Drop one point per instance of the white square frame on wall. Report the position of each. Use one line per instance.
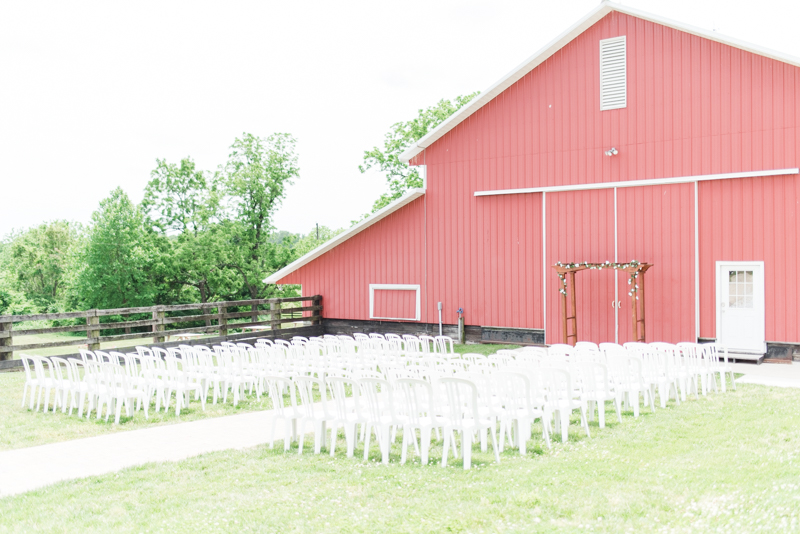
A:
(400, 287)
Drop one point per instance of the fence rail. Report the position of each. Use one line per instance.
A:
(273, 313)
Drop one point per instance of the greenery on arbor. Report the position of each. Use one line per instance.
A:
(400, 176)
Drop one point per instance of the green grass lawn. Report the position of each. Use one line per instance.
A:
(20, 427)
(724, 463)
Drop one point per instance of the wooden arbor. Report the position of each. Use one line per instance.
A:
(635, 272)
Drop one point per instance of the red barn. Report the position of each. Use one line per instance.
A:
(702, 184)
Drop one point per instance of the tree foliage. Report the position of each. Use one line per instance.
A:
(182, 207)
(35, 261)
(115, 262)
(399, 176)
(179, 198)
(253, 183)
(313, 239)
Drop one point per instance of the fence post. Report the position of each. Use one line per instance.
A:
(6, 341)
(158, 315)
(316, 315)
(223, 321)
(274, 315)
(92, 334)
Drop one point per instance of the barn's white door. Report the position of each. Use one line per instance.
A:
(740, 305)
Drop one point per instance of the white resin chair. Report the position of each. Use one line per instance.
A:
(45, 379)
(31, 378)
(308, 412)
(276, 385)
(519, 412)
(628, 381)
(698, 366)
(118, 391)
(444, 345)
(596, 390)
(179, 380)
(419, 412)
(62, 374)
(461, 414)
(81, 385)
(561, 400)
(713, 352)
(412, 344)
(344, 410)
(377, 409)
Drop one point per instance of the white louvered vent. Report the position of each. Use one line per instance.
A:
(613, 74)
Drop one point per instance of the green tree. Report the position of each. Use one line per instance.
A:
(114, 266)
(254, 182)
(179, 198)
(13, 302)
(399, 176)
(182, 207)
(36, 260)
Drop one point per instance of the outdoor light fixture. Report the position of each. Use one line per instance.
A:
(612, 152)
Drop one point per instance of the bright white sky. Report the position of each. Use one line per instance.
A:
(91, 93)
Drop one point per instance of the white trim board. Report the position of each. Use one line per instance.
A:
(409, 197)
(639, 183)
(562, 40)
(394, 287)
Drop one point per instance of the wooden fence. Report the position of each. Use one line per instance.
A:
(263, 315)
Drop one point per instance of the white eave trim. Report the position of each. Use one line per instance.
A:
(409, 197)
(638, 183)
(559, 42)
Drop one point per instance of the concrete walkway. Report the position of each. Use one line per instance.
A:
(786, 375)
(26, 469)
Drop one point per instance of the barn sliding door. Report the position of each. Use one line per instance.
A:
(580, 227)
(655, 224)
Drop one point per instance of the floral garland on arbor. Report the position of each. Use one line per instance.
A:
(598, 266)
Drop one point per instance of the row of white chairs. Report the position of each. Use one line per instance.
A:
(535, 383)
(558, 380)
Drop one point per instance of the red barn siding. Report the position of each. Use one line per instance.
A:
(389, 252)
(395, 303)
(695, 107)
(486, 259)
(580, 227)
(656, 225)
(753, 219)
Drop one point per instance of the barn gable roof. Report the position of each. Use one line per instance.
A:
(562, 40)
(407, 198)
